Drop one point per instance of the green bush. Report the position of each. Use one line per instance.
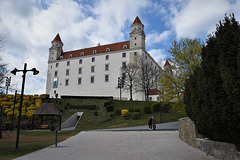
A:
(7, 125)
(109, 108)
(117, 111)
(137, 110)
(147, 109)
(166, 107)
(89, 107)
(156, 107)
(135, 115)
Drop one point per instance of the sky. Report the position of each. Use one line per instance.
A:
(29, 26)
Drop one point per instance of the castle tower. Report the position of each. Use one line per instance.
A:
(167, 67)
(137, 35)
(56, 50)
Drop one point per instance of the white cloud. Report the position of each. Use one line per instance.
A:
(195, 18)
(154, 38)
(158, 55)
(30, 26)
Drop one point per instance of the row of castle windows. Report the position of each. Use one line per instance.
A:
(93, 59)
(94, 52)
(92, 80)
(92, 69)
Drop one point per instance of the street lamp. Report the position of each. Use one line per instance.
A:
(35, 72)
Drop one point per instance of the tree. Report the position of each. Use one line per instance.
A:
(186, 56)
(3, 69)
(129, 71)
(212, 91)
(147, 75)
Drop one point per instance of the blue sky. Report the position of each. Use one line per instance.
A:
(29, 26)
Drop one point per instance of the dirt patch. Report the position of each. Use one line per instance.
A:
(11, 137)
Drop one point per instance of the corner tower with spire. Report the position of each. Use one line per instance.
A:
(137, 35)
(56, 50)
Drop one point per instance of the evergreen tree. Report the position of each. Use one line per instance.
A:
(212, 91)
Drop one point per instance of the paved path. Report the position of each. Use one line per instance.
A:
(119, 145)
(171, 126)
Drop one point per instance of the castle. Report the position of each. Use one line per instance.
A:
(94, 71)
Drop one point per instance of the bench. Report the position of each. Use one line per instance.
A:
(42, 126)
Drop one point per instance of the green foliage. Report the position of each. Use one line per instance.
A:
(89, 107)
(137, 110)
(117, 111)
(156, 107)
(135, 115)
(147, 109)
(109, 108)
(212, 91)
(166, 107)
(186, 55)
(7, 125)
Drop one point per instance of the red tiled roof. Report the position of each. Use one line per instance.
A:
(182, 95)
(167, 63)
(137, 20)
(57, 38)
(153, 92)
(99, 49)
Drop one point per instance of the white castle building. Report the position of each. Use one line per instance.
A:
(94, 71)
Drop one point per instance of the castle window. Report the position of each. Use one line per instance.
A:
(124, 65)
(94, 51)
(135, 44)
(123, 55)
(92, 69)
(56, 74)
(70, 55)
(123, 75)
(125, 47)
(56, 65)
(135, 38)
(135, 53)
(67, 72)
(80, 80)
(106, 67)
(82, 53)
(80, 61)
(93, 59)
(107, 57)
(66, 82)
(92, 79)
(108, 49)
(68, 63)
(80, 71)
(107, 78)
(55, 82)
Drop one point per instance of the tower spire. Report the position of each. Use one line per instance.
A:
(57, 38)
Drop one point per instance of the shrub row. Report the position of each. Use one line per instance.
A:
(89, 107)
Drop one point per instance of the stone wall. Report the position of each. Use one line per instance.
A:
(187, 131)
(220, 150)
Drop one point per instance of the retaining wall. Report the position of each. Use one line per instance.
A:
(220, 150)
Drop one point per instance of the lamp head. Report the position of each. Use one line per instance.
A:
(35, 71)
(14, 71)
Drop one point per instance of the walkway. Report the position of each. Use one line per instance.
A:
(121, 145)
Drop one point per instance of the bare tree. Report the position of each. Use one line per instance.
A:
(3, 66)
(129, 73)
(147, 75)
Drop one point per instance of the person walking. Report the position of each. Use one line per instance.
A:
(153, 122)
(150, 123)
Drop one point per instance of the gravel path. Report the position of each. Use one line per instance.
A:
(119, 145)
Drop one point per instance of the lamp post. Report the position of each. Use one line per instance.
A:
(35, 72)
(13, 109)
